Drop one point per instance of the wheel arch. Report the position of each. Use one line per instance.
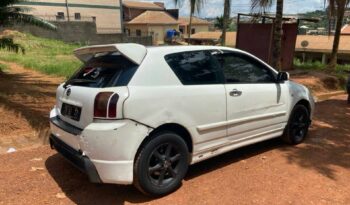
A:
(172, 127)
(305, 103)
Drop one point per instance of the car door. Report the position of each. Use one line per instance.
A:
(198, 102)
(256, 103)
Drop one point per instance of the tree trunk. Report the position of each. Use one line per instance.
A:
(226, 18)
(67, 8)
(340, 17)
(277, 36)
(190, 28)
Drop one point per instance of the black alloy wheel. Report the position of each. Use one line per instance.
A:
(298, 125)
(161, 164)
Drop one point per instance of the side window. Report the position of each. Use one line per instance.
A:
(60, 16)
(138, 32)
(239, 68)
(195, 68)
(77, 16)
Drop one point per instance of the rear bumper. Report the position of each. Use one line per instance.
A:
(76, 158)
(104, 150)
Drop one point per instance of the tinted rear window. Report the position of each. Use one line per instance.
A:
(196, 68)
(108, 70)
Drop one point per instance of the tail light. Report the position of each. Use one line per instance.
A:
(106, 105)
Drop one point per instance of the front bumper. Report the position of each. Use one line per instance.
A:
(81, 162)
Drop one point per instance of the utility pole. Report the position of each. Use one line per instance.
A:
(67, 7)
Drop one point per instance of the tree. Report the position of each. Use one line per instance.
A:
(219, 23)
(195, 6)
(226, 19)
(277, 31)
(336, 9)
(11, 13)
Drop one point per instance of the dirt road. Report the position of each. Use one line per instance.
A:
(316, 172)
(26, 98)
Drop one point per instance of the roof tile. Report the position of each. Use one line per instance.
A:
(153, 17)
(345, 30)
(142, 5)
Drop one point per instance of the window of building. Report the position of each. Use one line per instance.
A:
(127, 31)
(77, 16)
(181, 30)
(240, 68)
(60, 16)
(196, 68)
(138, 32)
(193, 31)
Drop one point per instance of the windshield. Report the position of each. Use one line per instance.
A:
(104, 70)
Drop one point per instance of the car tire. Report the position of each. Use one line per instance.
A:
(298, 125)
(161, 164)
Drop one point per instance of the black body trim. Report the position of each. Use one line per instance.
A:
(76, 158)
(65, 126)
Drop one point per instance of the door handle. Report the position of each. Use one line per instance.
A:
(235, 93)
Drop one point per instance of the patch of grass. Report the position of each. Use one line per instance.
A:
(317, 65)
(3, 67)
(309, 65)
(341, 71)
(45, 55)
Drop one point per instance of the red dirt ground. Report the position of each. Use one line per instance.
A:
(26, 98)
(316, 172)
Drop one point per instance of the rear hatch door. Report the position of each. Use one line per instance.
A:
(106, 68)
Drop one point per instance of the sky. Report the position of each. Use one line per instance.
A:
(214, 8)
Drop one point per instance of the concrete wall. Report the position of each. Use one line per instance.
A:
(80, 32)
(132, 29)
(198, 28)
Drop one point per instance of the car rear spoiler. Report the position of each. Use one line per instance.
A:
(134, 52)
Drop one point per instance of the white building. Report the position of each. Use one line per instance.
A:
(106, 13)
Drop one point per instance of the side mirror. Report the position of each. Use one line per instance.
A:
(282, 76)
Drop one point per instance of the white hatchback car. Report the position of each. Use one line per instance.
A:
(141, 115)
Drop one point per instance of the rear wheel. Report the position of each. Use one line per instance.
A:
(161, 164)
(298, 125)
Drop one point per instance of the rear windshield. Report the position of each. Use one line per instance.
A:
(104, 70)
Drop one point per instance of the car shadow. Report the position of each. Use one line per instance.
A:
(328, 146)
(77, 187)
(29, 97)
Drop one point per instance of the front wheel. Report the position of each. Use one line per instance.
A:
(161, 164)
(298, 125)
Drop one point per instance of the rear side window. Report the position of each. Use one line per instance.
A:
(107, 70)
(195, 68)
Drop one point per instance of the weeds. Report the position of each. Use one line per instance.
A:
(3, 67)
(52, 57)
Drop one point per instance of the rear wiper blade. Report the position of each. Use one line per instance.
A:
(74, 81)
